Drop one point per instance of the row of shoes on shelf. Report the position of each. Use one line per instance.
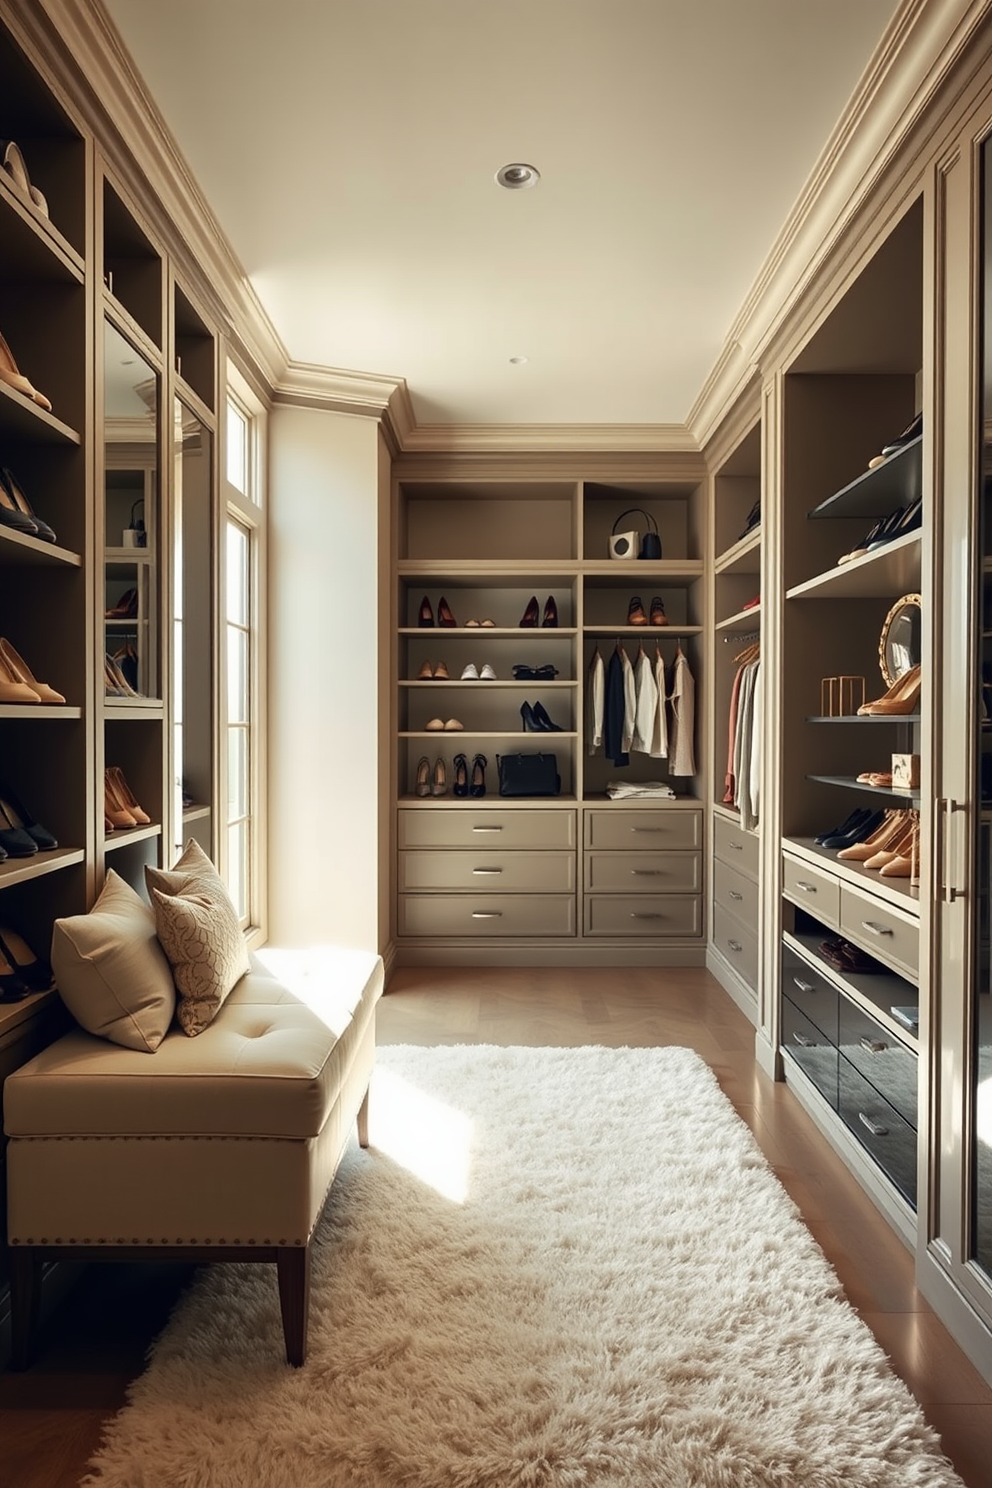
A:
(528, 620)
(912, 431)
(438, 672)
(901, 698)
(432, 780)
(535, 717)
(897, 523)
(21, 971)
(16, 511)
(120, 673)
(18, 684)
(847, 958)
(21, 834)
(655, 614)
(120, 808)
(887, 841)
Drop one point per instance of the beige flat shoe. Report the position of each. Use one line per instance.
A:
(435, 726)
(452, 726)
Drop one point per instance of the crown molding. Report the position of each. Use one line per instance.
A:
(922, 43)
(550, 438)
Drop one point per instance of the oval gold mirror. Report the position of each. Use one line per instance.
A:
(899, 643)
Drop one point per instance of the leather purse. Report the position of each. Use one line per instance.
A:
(623, 544)
(528, 774)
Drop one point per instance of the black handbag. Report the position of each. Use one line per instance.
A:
(531, 774)
(650, 540)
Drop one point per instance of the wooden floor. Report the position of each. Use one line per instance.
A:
(51, 1417)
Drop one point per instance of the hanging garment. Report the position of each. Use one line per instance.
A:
(613, 711)
(629, 700)
(753, 808)
(730, 783)
(646, 702)
(682, 760)
(743, 745)
(659, 738)
(595, 700)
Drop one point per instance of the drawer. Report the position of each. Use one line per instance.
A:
(879, 1128)
(809, 1047)
(807, 990)
(735, 893)
(880, 1058)
(499, 872)
(472, 826)
(878, 930)
(646, 829)
(481, 916)
(642, 872)
(736, 847)
(635, 915)
(813, 889)
(737, 944)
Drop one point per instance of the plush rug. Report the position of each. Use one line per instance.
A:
(564, 1267)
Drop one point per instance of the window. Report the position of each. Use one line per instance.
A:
(241, 692)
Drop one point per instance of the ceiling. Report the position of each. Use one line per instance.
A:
(349, 151)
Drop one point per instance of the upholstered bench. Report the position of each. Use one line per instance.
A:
(214, 1148)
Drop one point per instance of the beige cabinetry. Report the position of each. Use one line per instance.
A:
(507, 602)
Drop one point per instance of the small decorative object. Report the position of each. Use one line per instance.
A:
(841, 696)
(631, 544)
(905, 771)
(134, 535)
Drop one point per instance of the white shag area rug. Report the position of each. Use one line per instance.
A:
(554, 1268)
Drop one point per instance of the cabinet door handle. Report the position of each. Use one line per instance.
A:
(874, 928)
(646, 872)
(647, 829)
(634, 915)
(807, 888)
(873, 1046)
(946, 809)
(803, 1041)
(803, 986)
(735, 945)
(735, 895)
(875, 1127)
(487, 870)
(737, 846)
(487, 914)
(487, 829)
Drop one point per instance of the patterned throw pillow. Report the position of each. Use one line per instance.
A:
(198, 928)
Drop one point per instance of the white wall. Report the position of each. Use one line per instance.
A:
(322, 680)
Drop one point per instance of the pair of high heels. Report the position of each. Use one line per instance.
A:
(528, 620)
(18, 684)
(21, 835)
(893, 849)
(445, 618)
(431, 780)
(115, 683)
(464, 784)
(861, 823)
(901, 697)
(21, 971)
(14, 378)
(637, 616)
(120, 809)
(16, 511)
(537, 721)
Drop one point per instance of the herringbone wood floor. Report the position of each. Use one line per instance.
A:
(50, 1418)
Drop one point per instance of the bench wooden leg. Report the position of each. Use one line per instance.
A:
(24, 1265)
(293, 1266)
(363, 1121)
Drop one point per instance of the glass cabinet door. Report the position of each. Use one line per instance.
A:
(192, 621)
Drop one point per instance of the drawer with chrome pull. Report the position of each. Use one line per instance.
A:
(807, 990)
(880, 931)
(735, 893)
(880, 1058)
(490, 826)
(737, 945)
(478, 916)
(494, 872)
(815, 1054)
(736, 847)
(643, 872)
(644, 829)
(879, 1128)
(643, 914)
(816, 891)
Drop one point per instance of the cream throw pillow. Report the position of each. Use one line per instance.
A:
(198, 928)
(110, 969)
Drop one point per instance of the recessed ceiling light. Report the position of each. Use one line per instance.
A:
(517, 175)
(517, 361)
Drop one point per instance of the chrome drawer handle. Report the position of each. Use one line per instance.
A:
(487, 870)
(807, 888)
(647, 829)
(803, 986)
(875, 1127)
(803, 1041)
(735, 945)
(634, 915)
(873, 1046)
(737, 846)
(487, 829)
(734, 894)
(646, 872)
(875, 929)
(487, 914)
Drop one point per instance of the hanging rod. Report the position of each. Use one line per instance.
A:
(741, 635)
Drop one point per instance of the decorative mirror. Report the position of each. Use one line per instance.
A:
(899, 643)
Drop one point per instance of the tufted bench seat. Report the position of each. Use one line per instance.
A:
(220, 1147)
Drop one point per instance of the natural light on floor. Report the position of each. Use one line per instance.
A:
(429, 1138)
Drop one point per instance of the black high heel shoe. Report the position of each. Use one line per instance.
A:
(12, 987)
(426, 617)
(478, 785)
(32, 970)
(459, 786)
(550, 612)
(13, 489)
(14, 815)
(528, 620)
(11, 516)
(531, 725)
(444, 615)
(544, 722)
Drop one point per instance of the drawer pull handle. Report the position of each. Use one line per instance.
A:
(487, 914)
(487, 829)
(803, 1041)
(807, 888)
(646, 872)
(647, 829)
(873, 1046)
(487, 870)
(735, 895)
(874, 928)
(735, 945)
(875, 1127)
(635, 915)
(803, 986)
(737, 846)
